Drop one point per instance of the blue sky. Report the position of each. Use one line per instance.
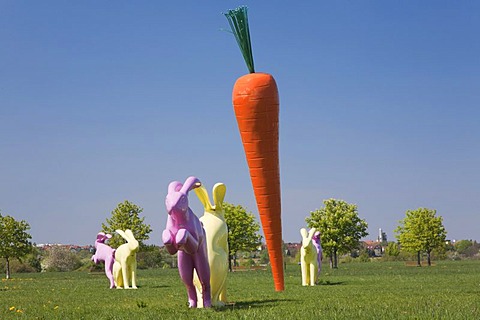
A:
(104, 102)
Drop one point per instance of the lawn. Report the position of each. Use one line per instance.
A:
(374, 290)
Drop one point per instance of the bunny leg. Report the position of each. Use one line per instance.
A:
(117, 275)
(109, 272)
(313, 272)
(125, 273)
(320, 258)
(133, 272)
(304, 273)
(186, 241)
(219, 294)
(203, 271)
(222, 297)
(198, 288)
(185, 269)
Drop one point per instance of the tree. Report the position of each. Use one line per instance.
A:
(242, 231)
(392, 249)
(421, 231)
(61, 259)
(340, 226)
(468, 248)
(150, 257)
(14, 240)
(126, 216)
(462, 245)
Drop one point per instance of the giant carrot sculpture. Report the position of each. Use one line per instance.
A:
(256, 105)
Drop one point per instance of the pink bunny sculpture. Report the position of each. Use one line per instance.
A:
(316, 240)
(184, 234)
(106, 254)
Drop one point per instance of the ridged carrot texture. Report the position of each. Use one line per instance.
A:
(256, 105)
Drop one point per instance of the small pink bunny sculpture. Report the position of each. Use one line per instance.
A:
(106, 254)
(184, 234)
(316, 240)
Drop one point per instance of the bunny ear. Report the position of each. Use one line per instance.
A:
(190, 183)
(174, 186)
(303, 232)
(219, 190)
(129, 234)
(120, 232)
(311, 232)
(202, 195)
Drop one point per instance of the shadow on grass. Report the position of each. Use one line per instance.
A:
(252, 304)
(329, 283)
(159, 286)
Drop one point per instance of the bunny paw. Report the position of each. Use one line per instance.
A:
(186, 242)
(192, 303)
(167, 237)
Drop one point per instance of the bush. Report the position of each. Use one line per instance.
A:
(364, 257)
(30, 263)
(150, 259)
(347, 259)
(61, 259)
(20, 267)
(34, 262)
(247, 262)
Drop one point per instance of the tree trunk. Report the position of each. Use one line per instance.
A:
(8, 268)
(419, 264)
(331, 260)
(335, 259)
(230, 263)
(429, 262)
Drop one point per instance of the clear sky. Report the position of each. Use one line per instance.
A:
(102, 102)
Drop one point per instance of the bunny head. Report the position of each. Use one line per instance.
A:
(316, 236)
(307, 237)
(219, 190)
(102, 237)
(130, 238)
(177, 196)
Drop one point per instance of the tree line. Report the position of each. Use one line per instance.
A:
(421, 231)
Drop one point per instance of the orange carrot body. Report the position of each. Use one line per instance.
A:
(256, 105)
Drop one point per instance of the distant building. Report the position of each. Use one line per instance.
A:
(382, 236)
(376, 248)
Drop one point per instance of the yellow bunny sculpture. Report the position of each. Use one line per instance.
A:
(216, 231)
(125, 265)
(308, 258)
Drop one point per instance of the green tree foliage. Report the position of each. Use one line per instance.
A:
(150, 257)
(14, 240)
(392, 250)
(461, 246)
(341, 228)
(242, 230)
(421, 231)
(126, 216)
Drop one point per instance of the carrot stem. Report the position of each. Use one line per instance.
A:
(238, 20)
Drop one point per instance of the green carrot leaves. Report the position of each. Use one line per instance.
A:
(238, 20)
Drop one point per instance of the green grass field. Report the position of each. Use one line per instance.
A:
(375, 290)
